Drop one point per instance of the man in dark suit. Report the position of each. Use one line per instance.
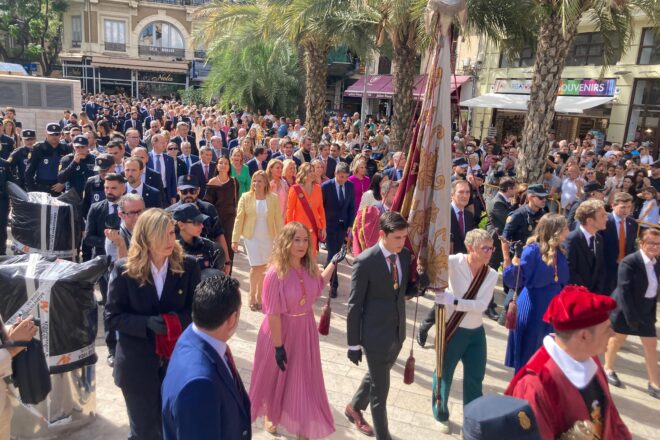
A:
(149, 176)
(259, 161)
(182, 135)
(636, 297)
(618, 237)
(218, 147)
(329, 163)
(376, 320)
(203, 394)
(584, 247)
(461, 221)
(186, 155)
(395, 172)
(339, 205)
(133, 122)
(160, 162)
(204, 170)
(180, 168)
(133, 173)
(287, 153)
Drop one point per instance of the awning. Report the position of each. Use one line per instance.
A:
(564, 104)
(133, 64)
(381, 86)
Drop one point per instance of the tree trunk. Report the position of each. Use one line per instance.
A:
(316, 73)
(403, 78)
(551, 51)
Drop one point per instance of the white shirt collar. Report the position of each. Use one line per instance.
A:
(385, 252)
(456, 209)
(219, 346)
(138, 188)
(159, 273)
(646, 259)
(578, 373)
(586, 233)
(617, 219)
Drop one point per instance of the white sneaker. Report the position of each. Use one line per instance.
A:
(444, 427)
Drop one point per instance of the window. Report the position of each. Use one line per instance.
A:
(115, 31)
(161, 34)
(587, 50)
(649, 49)
(384, 65)
(524, 59)
(76, 30)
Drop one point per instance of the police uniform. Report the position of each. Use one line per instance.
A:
(20, 157)
(92, 193)
(6, 146)
(212, 228)
(521, 224)
(5, 176)
(44, 164)
(207, 253)
(75, 175)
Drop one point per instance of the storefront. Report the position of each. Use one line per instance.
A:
(582, 105)
(644, 117)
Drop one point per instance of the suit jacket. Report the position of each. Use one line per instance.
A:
(223, 152)
(498, 209)
(153, 179)
(299, 155)
(338, 217)
(633, 309)
(179, 140)
(246, 216)
(197, 170)
(281, 157)
(252, 165)
(586, 268)
(95, 226)
(193, 159)
(611, 247)
(180, 167)
(201, 400)
(391, 173)
(170, 176)
(129, 124)
(151, 196)
(376, 317)
(458, 240)
(128, 307)
(330, 167)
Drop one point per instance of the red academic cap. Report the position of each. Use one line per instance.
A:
(576, 308)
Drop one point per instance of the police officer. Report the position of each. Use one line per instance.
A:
(20, 157)
(44, 165)
(521, 223)
(77, 167)
(190, 222)
(93, 191)
(6, 146)
(5, 176)
(188, 187)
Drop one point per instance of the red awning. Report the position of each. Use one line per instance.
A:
(381, 86)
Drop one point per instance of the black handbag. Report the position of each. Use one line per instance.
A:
(30, 371)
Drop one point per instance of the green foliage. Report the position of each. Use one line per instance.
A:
(256, 77)
(35, 28)
(192, 95)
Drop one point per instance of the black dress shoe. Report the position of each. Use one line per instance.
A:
(111, 360)
(654, 392)
(613, 379)
(333, 292)
(492, 313)
(421, 338)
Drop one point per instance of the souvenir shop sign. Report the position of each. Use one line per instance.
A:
(587, 87)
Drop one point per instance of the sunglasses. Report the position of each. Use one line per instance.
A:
(486, 249)
(172, 149)
(188, 191)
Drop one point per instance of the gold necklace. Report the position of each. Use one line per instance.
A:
(555, 267)
(303, 295)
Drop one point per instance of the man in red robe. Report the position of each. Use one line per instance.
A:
(564, 381)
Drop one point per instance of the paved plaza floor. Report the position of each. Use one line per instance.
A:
(409, 406)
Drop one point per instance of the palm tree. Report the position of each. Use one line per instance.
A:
(312, 26)
(555, 25)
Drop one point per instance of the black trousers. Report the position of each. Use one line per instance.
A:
(144, 411)
(375, 387)
(428, 322)
(333, 242)
(4, 217)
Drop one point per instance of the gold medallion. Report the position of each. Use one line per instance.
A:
(396, 285)
(302, 301)
(523, 418)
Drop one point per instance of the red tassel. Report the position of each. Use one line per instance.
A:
(409, 371)
(511, 316)
(324, 322)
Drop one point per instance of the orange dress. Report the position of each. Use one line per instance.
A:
(296, 213)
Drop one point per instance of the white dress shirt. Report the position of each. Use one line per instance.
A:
(652, 289)
(138, 189)
(587, 236)
(159, 276)
(161, 159)
(387, 254)
(219, 346)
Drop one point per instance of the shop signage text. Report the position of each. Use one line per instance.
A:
(164, 77)
(587, 87)
(513, 86)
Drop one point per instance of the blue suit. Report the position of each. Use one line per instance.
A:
(201, 400)
(197, 170)
(393, 173)
(170, 174)
(611, 248)
(151, 197)
(252, 165)
(338, 218)
(192, 158)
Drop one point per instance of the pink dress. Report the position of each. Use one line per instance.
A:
(296, 398)
(360, 187)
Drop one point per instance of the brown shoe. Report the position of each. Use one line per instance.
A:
(356, 417)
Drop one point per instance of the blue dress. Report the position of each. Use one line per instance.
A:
(539, 287)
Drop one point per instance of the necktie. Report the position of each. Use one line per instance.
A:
(158, 163)
(622, 241)
(232, 368)
(134, 191)
(188, 162)
(206, 172)
(114, 208)
(342, 198)
(394, 270)
(592, 244)
(461, 223)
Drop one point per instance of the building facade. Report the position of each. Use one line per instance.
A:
(137, 47)
(620, 105)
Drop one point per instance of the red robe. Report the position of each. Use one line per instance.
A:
(556, 403)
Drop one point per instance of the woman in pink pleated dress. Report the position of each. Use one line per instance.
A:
(287, 379)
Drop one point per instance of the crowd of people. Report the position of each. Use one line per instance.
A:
(171, 192)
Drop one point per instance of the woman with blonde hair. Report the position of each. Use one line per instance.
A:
(278, 184)
(542, 273)
(359, 178)
(240, 171)
(149, 296)
(305, 204)
(288, 388)
(289, 170)
(258, 221)
(319, 171)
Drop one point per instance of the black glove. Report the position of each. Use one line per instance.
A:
(355, 356)
(518, 248)
(157, 325)
(280, 357)
(339, 256)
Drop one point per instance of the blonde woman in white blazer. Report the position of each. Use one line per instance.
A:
(258, 221)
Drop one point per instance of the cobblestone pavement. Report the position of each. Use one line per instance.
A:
(409, 406)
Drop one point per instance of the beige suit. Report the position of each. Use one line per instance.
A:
(246, 216)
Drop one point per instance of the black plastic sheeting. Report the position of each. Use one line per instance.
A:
(72, 318)
(45, 224)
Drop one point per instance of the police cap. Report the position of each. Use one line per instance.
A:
(188, 181)
(495, 417)
(53, 128)
(104, 162)
(188, 212)
(593, 186)
(29, 134)
(537, 190)
(80, 140)
(459, 162)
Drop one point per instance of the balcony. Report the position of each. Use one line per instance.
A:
(75, 44)
(115, 47)
(161, 51)
(179, 2)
